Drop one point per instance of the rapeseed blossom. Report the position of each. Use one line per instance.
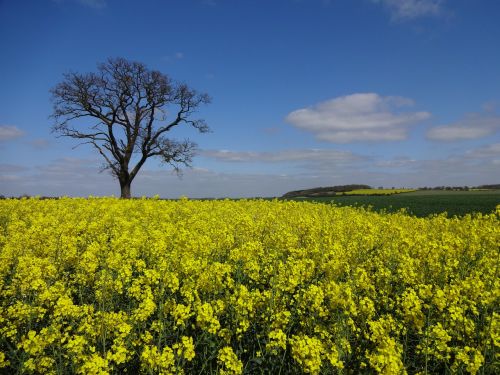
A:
(107, 286)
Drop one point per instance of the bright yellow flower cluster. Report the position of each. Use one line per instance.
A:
(109, 286)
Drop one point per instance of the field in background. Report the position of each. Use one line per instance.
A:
(422, 203)
(377, 191)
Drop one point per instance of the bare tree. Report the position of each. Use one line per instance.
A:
(131, 109)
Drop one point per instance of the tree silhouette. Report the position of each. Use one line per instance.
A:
(130, 109)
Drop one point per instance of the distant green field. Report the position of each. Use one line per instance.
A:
(376, 191)
(425, 202)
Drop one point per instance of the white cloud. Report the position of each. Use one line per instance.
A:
(473, 126)
(307, 155)
(9, 132)
(358, 117)
(399, 162)
(491, 105)
(453, 133)
(488, 151)
(410, 9)
(455, 170)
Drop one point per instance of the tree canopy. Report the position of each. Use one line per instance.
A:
(125, 110)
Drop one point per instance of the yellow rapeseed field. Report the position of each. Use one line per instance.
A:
(109, 286)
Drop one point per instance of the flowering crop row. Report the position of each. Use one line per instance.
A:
(98, 286)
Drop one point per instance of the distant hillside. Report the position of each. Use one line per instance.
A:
(324, 191)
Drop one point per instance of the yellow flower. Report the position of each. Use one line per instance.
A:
(277, 340)
(181, 314)
(3, 362)
(206, 319)
(95, 365)
(307, 351)
(185, 348)
(229, 362)
(412, 308)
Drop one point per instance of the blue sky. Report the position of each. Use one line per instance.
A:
(305, 93)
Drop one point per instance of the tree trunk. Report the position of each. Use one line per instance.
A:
(125, 189)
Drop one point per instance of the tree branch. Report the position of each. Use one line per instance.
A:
(125, 97)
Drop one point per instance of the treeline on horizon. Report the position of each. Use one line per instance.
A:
(334, 190)
(319, 191)
(324, 191)
(465, 188)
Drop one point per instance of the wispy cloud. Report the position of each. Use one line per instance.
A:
(487, 151)
(64, 176)
(398, 162)
(81, 177)
(472, 168)
(410, 9)
(472, 126)
(307, 155)
(9, 132)
(358, 117)
(12, 168)
(40, 143)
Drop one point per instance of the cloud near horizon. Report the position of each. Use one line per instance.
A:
(304, 155)
(487, 151)
(317, 167)
(357, 118)
(472, 126)
(10, 132)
